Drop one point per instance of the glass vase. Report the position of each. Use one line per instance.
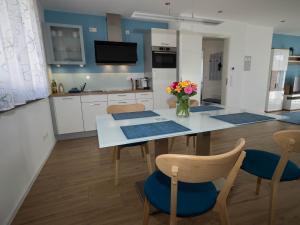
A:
(183, 107)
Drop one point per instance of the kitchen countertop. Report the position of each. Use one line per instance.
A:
(99, 92)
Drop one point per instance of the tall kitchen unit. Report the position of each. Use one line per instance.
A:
(160, 55)
(278, 68)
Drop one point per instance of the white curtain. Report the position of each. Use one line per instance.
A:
(23, 74)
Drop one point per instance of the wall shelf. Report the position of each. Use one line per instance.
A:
(294, 59)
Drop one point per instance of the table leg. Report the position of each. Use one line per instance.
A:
(203, 143)
(161, 146)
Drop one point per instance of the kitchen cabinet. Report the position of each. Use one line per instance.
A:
(122, 102)
(148, 103)
(163, 37)
(92, 106)
(90, 110)
(145, 98)
(64, 44)
(68, 115)
(78, 113)
(121, 97)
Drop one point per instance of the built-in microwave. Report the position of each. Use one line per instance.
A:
(164, 57)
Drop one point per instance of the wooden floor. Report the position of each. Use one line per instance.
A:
(76, 185)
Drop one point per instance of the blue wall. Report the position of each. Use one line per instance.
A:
(136, 35)
(287, 41)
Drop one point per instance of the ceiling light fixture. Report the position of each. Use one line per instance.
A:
(160, 17)
(169, 17)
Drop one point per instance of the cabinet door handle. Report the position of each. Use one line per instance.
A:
(122, 102)
(93, 104)
(121, 95)
(70, 98)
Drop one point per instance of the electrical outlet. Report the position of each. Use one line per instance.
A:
(127, 32)
(93, 29)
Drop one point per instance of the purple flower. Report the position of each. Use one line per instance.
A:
(188, 90)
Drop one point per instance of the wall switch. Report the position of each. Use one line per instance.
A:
(127, 32)
(93, 29)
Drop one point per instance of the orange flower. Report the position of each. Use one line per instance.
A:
(178, 89)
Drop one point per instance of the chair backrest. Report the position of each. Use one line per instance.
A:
(288, 140)
(197, 169)
(125, 108)
(172, 103)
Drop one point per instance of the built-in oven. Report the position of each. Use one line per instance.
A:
(164, 57)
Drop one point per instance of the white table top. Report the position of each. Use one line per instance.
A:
(110, 133)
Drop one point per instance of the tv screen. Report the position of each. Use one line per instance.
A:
(108, 52)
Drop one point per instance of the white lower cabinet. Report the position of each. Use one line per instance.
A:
(90, 110)
(68, 115)
(148, 103)
(78, 113)
(122, 102)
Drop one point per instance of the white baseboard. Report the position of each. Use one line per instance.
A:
(21, 200)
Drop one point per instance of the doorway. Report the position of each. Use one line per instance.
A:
(214, 70)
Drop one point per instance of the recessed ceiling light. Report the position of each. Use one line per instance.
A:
(220, 11)
(282, 21)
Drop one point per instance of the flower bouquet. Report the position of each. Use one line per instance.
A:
(183, 91)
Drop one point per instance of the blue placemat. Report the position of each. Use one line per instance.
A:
(133, 115)
(242, 118)
(203, 108)
(152, 129)
(292, 117)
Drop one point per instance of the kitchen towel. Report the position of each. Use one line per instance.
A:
(152, 129)
(133, 115)
(243, 118)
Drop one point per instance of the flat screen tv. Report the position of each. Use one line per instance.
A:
(109, 52)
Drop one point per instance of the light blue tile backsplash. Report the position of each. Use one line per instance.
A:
(135, 28)
(287, 41)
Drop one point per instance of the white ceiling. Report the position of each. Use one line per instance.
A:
(259, 12)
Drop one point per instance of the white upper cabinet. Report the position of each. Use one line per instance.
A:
(64, 44)
(68, 115)
(280, 58)
(163, 37)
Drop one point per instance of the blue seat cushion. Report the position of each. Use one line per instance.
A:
(133, 144)
(192, 198)
(263, 164)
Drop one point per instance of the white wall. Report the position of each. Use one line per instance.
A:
(255, 84)
(26, 138)
(240, 43)
(211, 88)
(191, 58)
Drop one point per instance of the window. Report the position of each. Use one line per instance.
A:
(23, 74)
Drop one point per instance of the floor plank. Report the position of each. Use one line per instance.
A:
(76, 185)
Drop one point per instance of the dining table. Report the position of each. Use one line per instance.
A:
(114, 131)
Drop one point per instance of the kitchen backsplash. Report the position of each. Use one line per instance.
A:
(96, 81)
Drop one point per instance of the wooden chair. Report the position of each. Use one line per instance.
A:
(193, 103)
(276, 168)
(183, 187)
(117, 150)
